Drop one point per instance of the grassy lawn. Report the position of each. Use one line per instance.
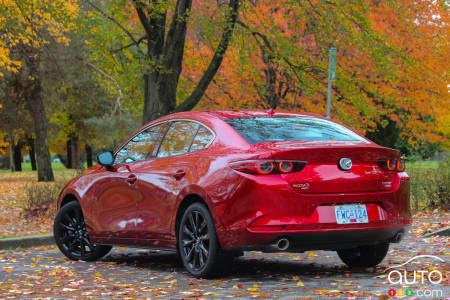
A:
(423, 163)
(430, 184)
(55, 166)
(27, 167)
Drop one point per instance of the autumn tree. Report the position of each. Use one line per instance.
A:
(73, 97)
(164, 51)
(391, 70)
(15, 119)
(26, 28)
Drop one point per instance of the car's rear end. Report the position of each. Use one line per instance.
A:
(319, 186)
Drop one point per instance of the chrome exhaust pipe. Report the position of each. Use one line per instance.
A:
(397, 238)
(283, 244)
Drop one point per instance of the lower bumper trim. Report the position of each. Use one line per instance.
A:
(331, 240)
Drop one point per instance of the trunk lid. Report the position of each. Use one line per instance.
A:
(322, 173)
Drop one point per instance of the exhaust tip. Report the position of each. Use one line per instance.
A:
(398, 237)
(283, 244)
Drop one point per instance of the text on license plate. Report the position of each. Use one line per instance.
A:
(349, 214)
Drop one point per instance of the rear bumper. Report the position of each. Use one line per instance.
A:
(325, 240)
(258, 212)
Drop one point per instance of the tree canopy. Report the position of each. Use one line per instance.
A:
(87, 66)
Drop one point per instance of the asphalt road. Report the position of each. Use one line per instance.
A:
(128, 272)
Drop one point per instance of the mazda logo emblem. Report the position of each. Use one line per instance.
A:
(345, 163)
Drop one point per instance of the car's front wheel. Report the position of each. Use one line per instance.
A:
(71, 236)
(198, 245)
(364, 257)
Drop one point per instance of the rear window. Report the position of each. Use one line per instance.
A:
(275, 129)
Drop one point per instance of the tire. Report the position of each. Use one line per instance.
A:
(364, 257)
(71, 236)
(198, 246)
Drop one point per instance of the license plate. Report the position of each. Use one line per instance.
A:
(351, 214)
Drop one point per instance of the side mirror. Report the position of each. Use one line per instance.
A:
(106, 159)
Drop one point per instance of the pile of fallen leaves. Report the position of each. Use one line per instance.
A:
(28, 206)
(40, 199)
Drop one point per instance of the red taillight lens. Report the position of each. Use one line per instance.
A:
(267, 167)
(264, 168)
(401, 165)
(395, 164)
(391, 164)
(285, 166)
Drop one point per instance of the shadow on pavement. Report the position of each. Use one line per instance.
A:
(245, 267)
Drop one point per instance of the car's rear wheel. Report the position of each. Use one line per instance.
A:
(198, 246)
(71, 236)
(364, 257)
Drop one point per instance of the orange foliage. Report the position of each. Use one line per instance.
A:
(392, 61)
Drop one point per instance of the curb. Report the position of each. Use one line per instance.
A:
(27, 241)
(441, 232)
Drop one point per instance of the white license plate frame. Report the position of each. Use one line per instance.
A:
(351, 214)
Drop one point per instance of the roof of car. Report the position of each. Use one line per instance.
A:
(242, 113)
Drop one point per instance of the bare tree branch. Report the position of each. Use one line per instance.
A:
(142, 16)
(126, 31)
(153, 26)
(129, 45)
(216, 61)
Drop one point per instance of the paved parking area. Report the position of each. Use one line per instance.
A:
(130, 272)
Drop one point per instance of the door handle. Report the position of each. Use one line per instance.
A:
(131, 179)
(179, 174)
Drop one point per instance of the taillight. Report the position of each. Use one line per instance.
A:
(267, 167)
(391, 164)
(285, 166)
(401, 166)
(394, 164)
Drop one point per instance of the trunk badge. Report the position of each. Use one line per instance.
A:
(345, 163)
(303, 186)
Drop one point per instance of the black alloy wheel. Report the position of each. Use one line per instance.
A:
(71, 236)
(198, 246)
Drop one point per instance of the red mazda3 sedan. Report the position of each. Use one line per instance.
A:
(212, 184)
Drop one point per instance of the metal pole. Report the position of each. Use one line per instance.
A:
(331, 77)
(329, 96)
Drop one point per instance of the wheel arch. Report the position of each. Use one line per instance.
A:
(188, 200)
(184, 204)
(66, 199)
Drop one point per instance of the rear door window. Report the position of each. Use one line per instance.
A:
(178, 139)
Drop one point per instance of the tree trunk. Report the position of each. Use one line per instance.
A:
(158, 102)
(37, 110)
(32, 153)
(17, 150)
(76, 161)
(161, 85)
(68, 163)
(88, 155)
(11, 149)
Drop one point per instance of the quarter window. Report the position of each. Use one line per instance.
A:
(202, 139)
(143, 146)
(178, 139)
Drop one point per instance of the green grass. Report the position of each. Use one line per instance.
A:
(422, 163)
(55, 166)
(27, 167)
(430, 184)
